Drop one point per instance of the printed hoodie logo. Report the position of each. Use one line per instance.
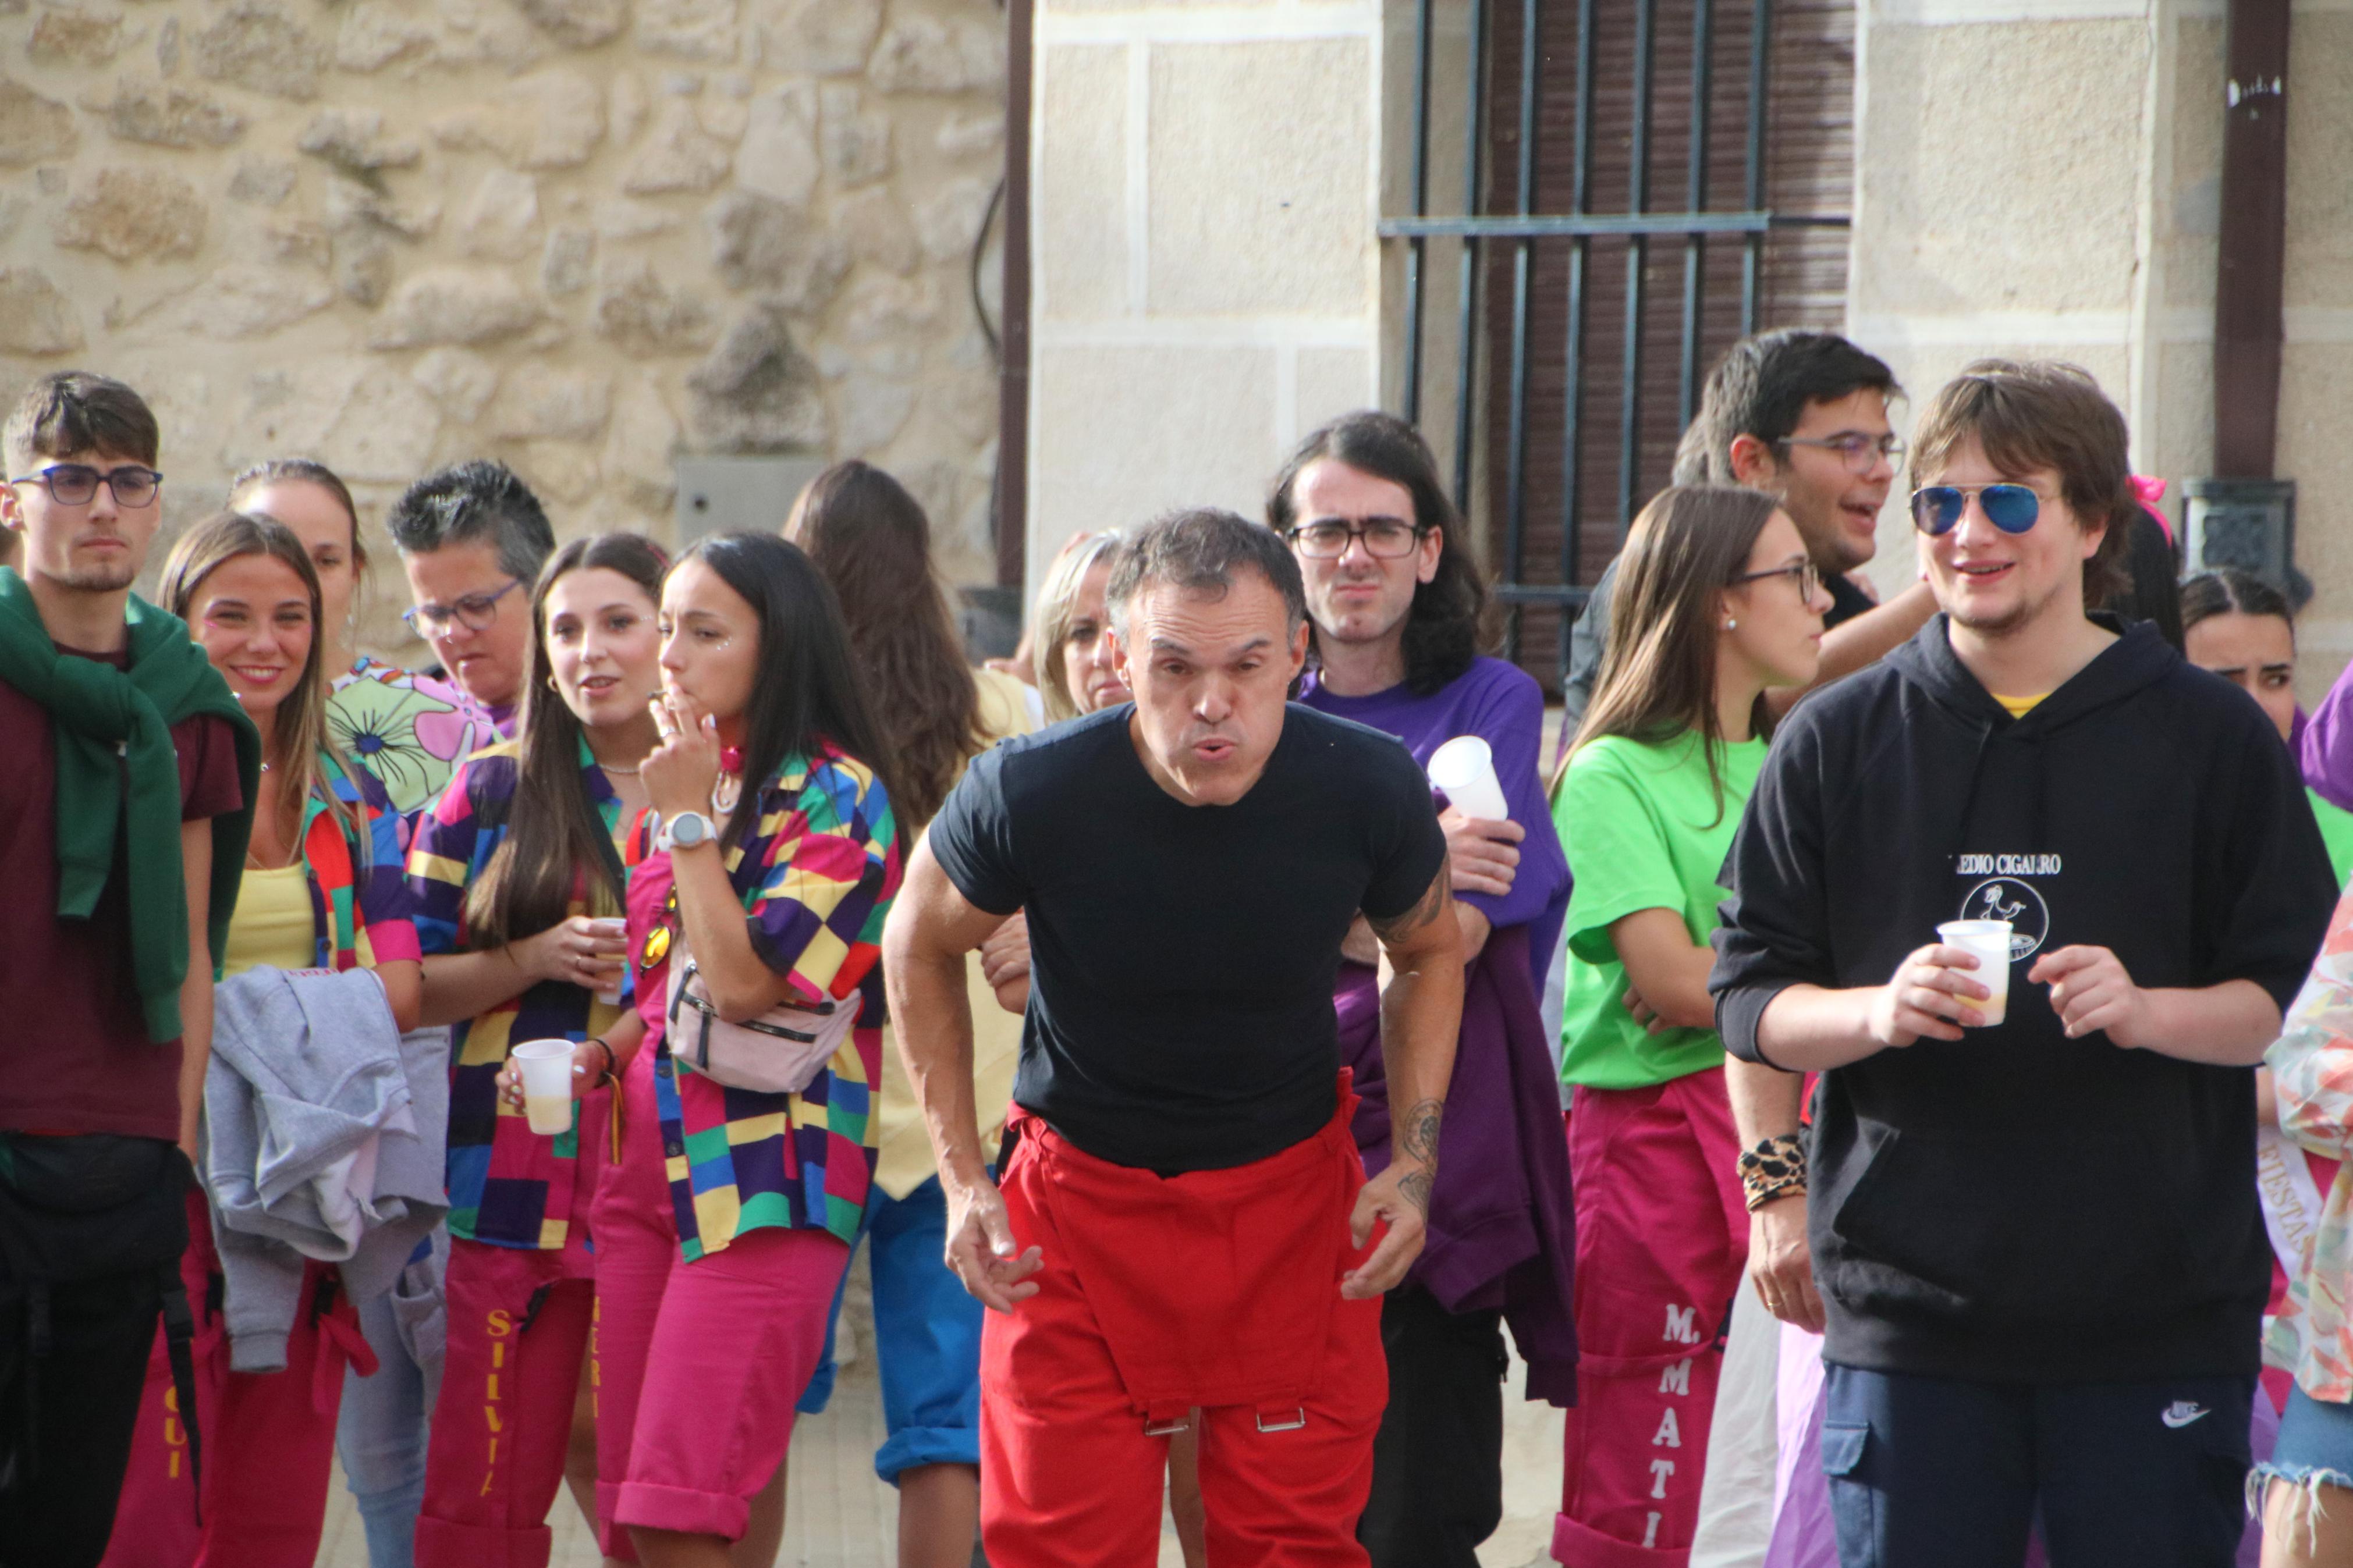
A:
(2182, 1411)
(2009, 899)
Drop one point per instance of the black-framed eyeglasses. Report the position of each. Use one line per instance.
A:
(1860, 453)
(1808, 577)
(475, 612)
(76, 484)
(1326, 538)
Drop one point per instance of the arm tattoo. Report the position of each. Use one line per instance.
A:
(1417, 1132)
(1434, 902)
(1414, 1187)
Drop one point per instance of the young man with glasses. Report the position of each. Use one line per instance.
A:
(2034, 1220)
(472, 538)
(1801, 415)
(1396, 604)
(122, 832)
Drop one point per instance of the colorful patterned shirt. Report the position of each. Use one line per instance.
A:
(2312, 1069)
(410, 731)
(360, 905)
(508, 1185)
(816, 879)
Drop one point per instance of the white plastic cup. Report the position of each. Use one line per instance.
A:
(1465, 768)
(1989, 941)
(616, 934)
(546, 1068)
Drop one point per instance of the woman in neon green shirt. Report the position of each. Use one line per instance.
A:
(1716, 601)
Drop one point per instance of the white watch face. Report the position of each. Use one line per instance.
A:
(691, 829)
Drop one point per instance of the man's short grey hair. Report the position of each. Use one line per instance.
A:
(1199, 552)
(465, 503)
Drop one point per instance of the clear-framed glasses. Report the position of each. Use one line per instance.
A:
(475, 612)
(1326, 538)
(76, 484)
(1808, 577)
(1859, 452)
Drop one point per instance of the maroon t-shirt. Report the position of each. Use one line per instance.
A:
(74, 1053)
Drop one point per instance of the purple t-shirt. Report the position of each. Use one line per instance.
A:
(1501, 705)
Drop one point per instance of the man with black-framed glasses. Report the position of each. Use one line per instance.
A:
(124, 804)
(1397, 605)
(470, 535)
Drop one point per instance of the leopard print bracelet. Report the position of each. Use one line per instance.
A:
(1774, 1169)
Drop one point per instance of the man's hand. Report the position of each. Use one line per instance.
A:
(1781, 1264)
(1483, 852)
(981, 1250)
(1928, 999)
(2090, 990)
(1401, 1196)
(1004, 962)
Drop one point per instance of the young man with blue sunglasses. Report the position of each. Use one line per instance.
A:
(2034, 1228)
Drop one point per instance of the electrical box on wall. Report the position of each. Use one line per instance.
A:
(2246, 523)
(722, 495)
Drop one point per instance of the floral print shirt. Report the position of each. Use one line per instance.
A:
(410, 731)
(2312, 1069)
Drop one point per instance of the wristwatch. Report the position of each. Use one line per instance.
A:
(686, 831)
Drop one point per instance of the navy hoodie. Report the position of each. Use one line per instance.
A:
(2017, 1206)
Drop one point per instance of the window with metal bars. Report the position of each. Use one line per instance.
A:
(1653, 179)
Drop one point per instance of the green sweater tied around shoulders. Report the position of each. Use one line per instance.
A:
(118, 771)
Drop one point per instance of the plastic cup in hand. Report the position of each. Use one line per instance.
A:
(1465, 768)
(546, 1068)
(1989, 941)
(614, 938)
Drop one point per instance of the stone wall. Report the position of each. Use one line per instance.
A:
(2044, 177)
(1207, 287)
(584, 235)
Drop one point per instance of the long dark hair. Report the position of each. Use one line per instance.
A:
(1444, 628)
(871, 541)
(1657, 671)
(813, 689)
(554, 839)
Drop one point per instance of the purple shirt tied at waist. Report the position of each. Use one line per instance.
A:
(1501, 1223)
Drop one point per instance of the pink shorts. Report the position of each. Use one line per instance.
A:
(700, 1363)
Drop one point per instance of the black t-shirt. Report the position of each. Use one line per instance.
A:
(1182, 957)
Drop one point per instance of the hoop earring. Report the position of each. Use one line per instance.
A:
(551, 683)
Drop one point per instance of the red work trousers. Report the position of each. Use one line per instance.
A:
(1662, 1239)
(519, 1325)
(1215, 1289)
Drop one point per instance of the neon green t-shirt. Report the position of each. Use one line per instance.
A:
(1644, 831)
(2337, 832)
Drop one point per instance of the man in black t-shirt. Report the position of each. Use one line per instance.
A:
(1197, 1230)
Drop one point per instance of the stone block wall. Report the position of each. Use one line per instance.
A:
(2044, 177)
(1208, 280)
(582, 236)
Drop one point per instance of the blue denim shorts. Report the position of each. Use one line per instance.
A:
(2315, 1451)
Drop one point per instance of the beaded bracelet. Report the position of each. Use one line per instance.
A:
(1775, 1168)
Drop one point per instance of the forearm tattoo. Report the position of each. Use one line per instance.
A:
(1433, 903)
(1414, 1187)
(1417, 1132)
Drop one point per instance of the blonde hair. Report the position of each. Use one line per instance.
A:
(1058, 604)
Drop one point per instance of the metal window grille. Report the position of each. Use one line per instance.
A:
(1649, 180)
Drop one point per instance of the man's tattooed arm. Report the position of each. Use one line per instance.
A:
(1435, 902)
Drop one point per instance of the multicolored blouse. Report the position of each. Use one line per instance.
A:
(508, 1185)
(816, 879)
(409, 730)
(2312, 1069)
(361, 904)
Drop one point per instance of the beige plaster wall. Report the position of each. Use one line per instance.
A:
(1207, 277)
(584, 235)
(2084, 226)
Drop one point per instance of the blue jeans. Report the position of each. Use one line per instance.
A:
(927, 1337)
(380, 1437)
(1928, 1472)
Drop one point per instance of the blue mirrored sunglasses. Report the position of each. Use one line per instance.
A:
(1937, 508)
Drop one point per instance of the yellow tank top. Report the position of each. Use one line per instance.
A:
(272, 922)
